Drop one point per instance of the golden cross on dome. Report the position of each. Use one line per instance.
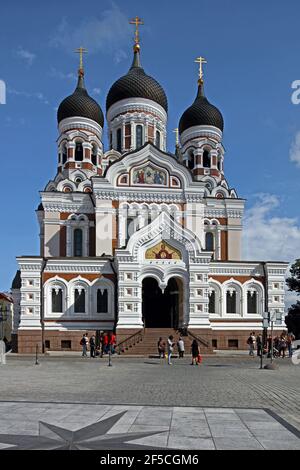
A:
(81, 51)
(200, 60)
(137, 21)
(176, 131)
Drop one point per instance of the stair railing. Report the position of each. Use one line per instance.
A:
(198, 338)
(130, 342)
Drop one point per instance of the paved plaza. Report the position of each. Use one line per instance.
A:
(74, 402)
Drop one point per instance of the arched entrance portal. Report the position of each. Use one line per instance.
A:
(162, 309)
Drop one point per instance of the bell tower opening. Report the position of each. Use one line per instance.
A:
(162, 309)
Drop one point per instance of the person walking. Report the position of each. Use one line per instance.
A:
(180, 346)
(92, 346)
(269, 346)
(161, 347)
(84, 342)
(195, 350)
(170, 349)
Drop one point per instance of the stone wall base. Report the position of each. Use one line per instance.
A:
(54, 340)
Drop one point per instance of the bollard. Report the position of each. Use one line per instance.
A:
(36, 355)
(109, 358)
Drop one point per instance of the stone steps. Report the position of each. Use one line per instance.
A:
(148, 344)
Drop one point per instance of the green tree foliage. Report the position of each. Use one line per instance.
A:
(292, 319)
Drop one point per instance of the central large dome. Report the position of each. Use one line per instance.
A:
(136, 84)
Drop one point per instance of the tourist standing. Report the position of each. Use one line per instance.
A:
(251, 343)
(161, 347)
(290, 339)
(105, 343)
(92, 346)
(259, 345)
(84, 342)
(195, 350)
(282, 345)
(180, 346)
(170, 349)
(112, 342)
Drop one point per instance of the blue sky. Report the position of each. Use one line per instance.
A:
(252, 49)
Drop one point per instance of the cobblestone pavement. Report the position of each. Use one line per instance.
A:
(220, 382)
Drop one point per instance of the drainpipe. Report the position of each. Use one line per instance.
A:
(116, 292)
(42, 305)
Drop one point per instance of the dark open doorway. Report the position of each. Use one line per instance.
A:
(161, 310)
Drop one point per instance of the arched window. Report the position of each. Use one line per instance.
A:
(231, 301)
(119, 140)
(78, 242)
(209, 241)
(129, 227)
(102, 301)
(64, 154)
(157, 139)
(139, 136)
(94, 155)
(79, 152)
(219, 164)
(57, 301)
(206, 159)
(79, 301)
(252, 301)
(212, 302)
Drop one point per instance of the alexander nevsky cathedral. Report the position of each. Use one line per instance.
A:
(137, 239)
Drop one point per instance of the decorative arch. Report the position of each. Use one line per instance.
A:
(253, 297)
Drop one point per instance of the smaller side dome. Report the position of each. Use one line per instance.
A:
(80, 104)
(201, 113)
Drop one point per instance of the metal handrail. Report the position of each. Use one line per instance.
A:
(128, 342)
(198, 338)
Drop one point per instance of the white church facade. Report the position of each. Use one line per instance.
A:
(137, 238)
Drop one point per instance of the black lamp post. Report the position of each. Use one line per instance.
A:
(3, 317)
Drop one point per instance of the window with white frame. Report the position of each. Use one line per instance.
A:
(79, 300)
(102, 301)
(252, 301)
(57, 300)
(231, 301)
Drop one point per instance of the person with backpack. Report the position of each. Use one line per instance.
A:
(92, 346)
(161, 347)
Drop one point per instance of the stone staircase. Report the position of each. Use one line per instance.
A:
(144, 343)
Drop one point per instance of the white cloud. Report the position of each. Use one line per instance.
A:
(61, 75)
(36, 95)
(25, 55)
(295, 150)
(97, 91)
(269, 237)
(119, 56)
(105, 34)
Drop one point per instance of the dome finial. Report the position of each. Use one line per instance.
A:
(200, 60)
(137, 22)
(81, 51)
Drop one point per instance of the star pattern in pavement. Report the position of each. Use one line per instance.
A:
(92, 437)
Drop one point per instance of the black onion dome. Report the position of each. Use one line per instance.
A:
(201, 113)
(136, 84)
(80, 104)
